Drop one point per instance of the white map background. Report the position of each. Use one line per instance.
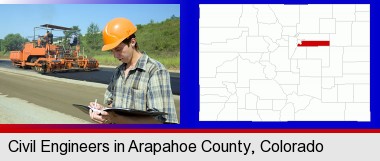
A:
(250, 68)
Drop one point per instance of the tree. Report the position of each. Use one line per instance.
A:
(139, 26)
(93, 38)
(174, 17)
(1, 45)
(13, 42)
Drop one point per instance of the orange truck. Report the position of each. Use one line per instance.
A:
(44, 56)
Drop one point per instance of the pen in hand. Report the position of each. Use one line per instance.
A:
(95, 108)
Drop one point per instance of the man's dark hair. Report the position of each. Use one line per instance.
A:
(128, 40)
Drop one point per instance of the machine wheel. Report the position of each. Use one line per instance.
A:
(25, 67)
(41, 69)
(33, 59)
(44, 67)
(37, 68)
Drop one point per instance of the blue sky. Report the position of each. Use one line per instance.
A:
(23, 18)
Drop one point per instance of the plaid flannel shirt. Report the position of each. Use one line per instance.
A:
(147, 87)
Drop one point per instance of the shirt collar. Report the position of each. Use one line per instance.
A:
(141, 63)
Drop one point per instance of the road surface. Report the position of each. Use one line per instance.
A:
(29, 97)
(103, 75)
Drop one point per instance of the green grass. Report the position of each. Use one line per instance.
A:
(4, 55)
(171, 63)
(107, 59)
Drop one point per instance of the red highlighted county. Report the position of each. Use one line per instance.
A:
(313, 43)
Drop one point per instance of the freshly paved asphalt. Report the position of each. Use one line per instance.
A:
(103, 75)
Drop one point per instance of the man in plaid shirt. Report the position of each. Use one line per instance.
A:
(140, 83)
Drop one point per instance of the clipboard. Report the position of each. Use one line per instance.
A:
(123, 111)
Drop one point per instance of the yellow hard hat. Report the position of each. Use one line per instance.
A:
(116, 31)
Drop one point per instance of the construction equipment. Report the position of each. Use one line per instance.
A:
(45, 56)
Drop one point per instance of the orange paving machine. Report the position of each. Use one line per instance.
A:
(44, 55)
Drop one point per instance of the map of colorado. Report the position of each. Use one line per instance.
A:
(284, 62)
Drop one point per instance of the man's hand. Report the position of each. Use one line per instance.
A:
(99, 115)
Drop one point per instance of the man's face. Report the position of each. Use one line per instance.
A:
(123, 52)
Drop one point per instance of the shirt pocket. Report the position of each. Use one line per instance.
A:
(139, 99)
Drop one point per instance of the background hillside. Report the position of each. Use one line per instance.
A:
(160, 40)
